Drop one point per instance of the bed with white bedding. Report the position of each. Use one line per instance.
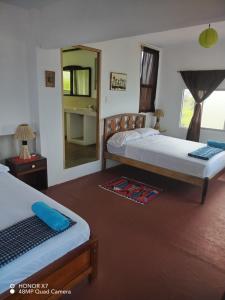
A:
(157, 153)
(171, 153)
(16, 201)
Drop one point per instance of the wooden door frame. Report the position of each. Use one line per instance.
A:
(98, 100)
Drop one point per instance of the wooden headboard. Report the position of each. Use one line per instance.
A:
(122, 122)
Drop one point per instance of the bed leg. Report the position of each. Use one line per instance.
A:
(94, 261)
(204, 189)
(103, 164)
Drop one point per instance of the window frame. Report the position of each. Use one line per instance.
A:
(202, 128)
(72, 69)
(153, 87)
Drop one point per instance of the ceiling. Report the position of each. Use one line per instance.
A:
(85, 21)
(28, 4)
(181, 35)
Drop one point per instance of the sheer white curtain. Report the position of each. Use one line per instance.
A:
(81, 78)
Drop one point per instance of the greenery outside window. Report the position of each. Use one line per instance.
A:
(213, 110)
(66, 83)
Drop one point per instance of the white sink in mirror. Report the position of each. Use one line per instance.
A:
(80, 125)
(80, 111)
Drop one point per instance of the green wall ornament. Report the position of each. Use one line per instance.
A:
(208, 37)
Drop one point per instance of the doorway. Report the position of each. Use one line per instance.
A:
(80, 86)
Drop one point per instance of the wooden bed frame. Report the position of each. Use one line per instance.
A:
(64, 273)
(131, 121)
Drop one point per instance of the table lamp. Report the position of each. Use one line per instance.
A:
(24, 133)
(158, 114)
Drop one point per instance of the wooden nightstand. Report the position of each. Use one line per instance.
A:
(32, 171)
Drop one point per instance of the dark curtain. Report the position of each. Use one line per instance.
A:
(148, 82)
(201, 84)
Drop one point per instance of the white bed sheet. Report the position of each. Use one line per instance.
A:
(16, 199)
(171, 153)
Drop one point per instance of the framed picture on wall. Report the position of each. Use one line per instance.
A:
(49, 78)
(118, 81)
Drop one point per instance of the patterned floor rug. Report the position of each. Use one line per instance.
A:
(132, 189)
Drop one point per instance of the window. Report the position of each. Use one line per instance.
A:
(148, 79)
(77, 81)
(213, 110)
(66, 83)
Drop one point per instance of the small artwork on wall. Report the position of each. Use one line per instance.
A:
(49, 78)
(118, 81)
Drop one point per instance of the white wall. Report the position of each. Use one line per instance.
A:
(18, 84)
(28, 100)
(51, 121)
(122, 55)
(118, 55)
(14, 97)
(43, 106)
(187, 56)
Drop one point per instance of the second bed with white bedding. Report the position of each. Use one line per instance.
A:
(16, 201)
(170, 153)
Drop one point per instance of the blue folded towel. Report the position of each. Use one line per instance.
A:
(53, 218)
(205, 152)
(216, 144)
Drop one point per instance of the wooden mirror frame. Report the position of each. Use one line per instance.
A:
(98, 95)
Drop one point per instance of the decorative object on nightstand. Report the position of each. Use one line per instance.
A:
(158, 114)
(24, 133)
(33, 171)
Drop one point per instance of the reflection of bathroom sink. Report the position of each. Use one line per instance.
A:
(82, 110)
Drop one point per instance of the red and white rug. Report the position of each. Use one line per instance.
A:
(132, 189)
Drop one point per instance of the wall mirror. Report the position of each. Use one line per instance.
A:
(77, 81)
(80, 97)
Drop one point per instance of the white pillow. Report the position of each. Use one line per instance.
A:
(147, 131)
(3, 169)
(120, 139)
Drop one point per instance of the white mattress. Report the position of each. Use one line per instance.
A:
(16, 199)
(171, 153)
